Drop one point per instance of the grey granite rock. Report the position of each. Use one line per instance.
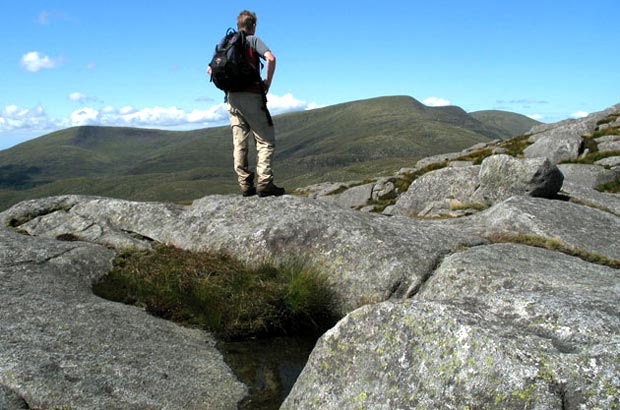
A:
(368, 257)
(586, 175)
(577, 226)
(451, 183)
(502, 176)
(63, 347)
(501, 326)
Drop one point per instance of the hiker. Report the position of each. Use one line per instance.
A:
(248, 113)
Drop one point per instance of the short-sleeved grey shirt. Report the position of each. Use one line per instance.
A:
(258, 45)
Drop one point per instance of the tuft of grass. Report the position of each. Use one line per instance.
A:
(554, 245)
(477, 156)
(516, 145)
(592, 157)
(219, 293)
(606, 131)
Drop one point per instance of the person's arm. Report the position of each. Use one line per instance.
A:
(270, 68)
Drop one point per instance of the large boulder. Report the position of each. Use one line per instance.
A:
(555, 147)
(63, 347)
(502, 176)
(501, 326)
(441, 188)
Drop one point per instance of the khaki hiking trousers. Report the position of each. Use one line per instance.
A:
(248, 114)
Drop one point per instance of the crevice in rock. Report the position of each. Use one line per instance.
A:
(19, 220)
(139, 236)
(416, 287)
(559, 389)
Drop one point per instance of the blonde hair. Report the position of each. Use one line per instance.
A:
(246, 20)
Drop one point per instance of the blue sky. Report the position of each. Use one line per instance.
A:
(142, 63)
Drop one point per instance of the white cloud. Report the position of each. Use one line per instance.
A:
(34, 61)
(579, 114)
(126, 110)
(81, 97)
(436, 102)
(286, 103)
(14, 118)
(84, 116)
(536, 117)
(155, 117)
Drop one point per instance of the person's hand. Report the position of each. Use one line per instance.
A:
(209, 70)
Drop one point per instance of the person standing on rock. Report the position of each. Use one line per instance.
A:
(248, 113)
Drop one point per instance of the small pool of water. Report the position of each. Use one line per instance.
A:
(269, 367)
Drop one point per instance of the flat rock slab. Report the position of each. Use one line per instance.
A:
(580, 227)
(368, 257)
(63, 347)
(602, 200)
(496, 327)
(587, 175)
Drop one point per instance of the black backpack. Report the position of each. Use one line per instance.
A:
(234, 65)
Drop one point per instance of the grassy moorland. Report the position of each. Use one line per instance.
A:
(342, 142)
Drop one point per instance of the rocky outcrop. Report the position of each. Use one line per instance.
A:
(501, 326)
(564, 140)
(436, 314)
(568, 223)
(368, 257)
(441, 192)
(63, 347)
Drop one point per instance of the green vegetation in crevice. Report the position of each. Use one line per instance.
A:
(477, 156)
(606, 131)
(221, 294)
(403, 183)
(515, 146)
(554, 245)
(592, 157)
(612, 187)
(609, 119)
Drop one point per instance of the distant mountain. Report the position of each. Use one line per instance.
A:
(341, 142)
(508, 124)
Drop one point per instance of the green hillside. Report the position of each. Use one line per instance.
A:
(508, 124)
(342, 142)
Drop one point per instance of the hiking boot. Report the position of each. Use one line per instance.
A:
(248, 191)
(270, 190)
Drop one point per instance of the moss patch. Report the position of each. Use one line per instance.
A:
(613, 187)
(219, 293)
